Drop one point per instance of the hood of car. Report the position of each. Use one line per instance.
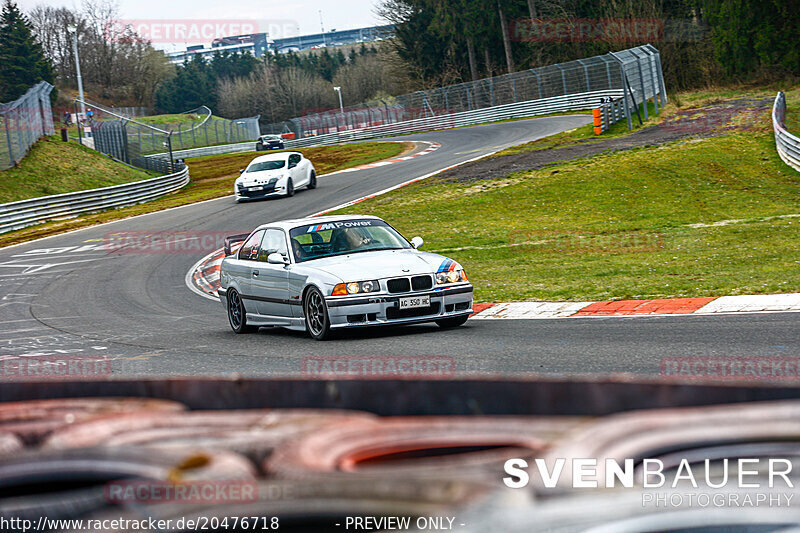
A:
(378, 264)
(259, 178)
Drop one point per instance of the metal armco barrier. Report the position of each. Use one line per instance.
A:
(787, 144)
(610, 112)
(570, 102)
(16, 215)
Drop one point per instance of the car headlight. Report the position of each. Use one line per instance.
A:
(454, 276)
(356, 287)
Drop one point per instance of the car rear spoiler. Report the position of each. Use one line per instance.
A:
(231, 240)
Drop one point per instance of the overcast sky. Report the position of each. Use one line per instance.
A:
(287, 17)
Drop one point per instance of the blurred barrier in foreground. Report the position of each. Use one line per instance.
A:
(312, 469)
(787, 144)
(23, 121)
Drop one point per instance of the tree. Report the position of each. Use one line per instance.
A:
(752, 34)
(194, 85)
(22, 62)
(117, 65)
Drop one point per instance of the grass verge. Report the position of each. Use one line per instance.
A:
(699, 217)
(213, 177)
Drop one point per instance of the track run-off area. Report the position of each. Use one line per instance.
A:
(71, 296)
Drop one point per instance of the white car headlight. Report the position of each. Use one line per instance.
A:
(356, 287)
(453, 276)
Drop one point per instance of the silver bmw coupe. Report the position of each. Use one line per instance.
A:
(323, 273)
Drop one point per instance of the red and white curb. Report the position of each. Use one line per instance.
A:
(203, 278)
(629, 308)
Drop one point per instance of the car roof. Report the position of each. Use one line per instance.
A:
(280, 156)
(294, 222)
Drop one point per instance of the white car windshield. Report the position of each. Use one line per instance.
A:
(266, 165)
(315, 241)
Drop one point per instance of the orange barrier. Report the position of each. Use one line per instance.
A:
(597, 120)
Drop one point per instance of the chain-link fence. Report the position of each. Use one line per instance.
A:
(133, 140)
(207, 130)
(23, 122)
(637, 71)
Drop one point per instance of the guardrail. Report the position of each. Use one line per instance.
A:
(570, 102)
(17, 215)
(788, 145)
(610, 112)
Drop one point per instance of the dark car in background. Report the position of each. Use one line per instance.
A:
(269, 142)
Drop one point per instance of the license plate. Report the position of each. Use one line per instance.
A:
(256, 188)
(416, 301)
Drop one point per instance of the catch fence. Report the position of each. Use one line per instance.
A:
(23, 122)
(635, 72)
(133, 140)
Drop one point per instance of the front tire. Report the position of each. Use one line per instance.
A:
(312, 180)
(237, 316)
(259, 147)
(447, 323)
(290, 187)
(318, 324)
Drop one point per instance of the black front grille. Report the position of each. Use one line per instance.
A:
(462, 306)
(398, 285)
(396, 312)
(266, 190)
(421, 283)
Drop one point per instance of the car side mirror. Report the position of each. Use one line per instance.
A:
(241, 171)
(417, 242)
(277, 259)
(292, 165)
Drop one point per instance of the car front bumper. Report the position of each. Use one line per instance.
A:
(274, 145)
(383, 309)
(257, 195)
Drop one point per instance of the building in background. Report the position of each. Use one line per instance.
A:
(259, 44)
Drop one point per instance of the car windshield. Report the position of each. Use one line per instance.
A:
(266, 165)
(342, 237)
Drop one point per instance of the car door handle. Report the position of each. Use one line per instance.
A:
(255, 272)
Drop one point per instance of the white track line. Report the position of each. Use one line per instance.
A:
(190, 274)
(409, 182)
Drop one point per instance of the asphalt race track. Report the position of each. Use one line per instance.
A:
(58, 300)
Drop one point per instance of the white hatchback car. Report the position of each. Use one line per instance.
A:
(275, 175)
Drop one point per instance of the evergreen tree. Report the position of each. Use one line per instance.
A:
(749, 34)
(22, 62)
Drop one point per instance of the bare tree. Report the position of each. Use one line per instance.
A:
(117, 65)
